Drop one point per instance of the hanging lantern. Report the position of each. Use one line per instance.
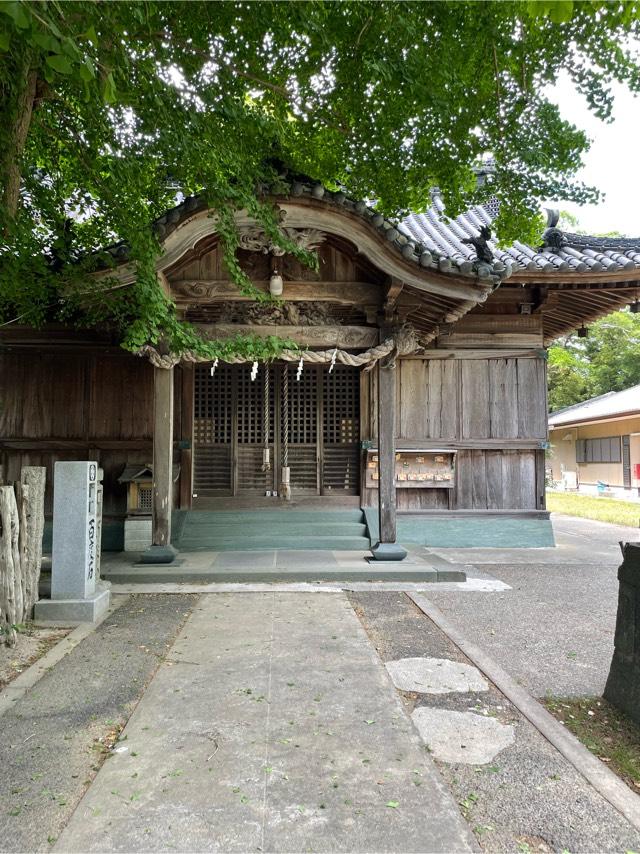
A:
(276, 285)
(634, 308)
(583, 332)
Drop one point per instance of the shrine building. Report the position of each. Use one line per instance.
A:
(419, 397)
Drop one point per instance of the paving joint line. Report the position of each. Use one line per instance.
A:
(603, 780)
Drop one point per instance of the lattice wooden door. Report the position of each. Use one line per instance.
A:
(323, 430)
(304, 453)
(212, 431)
(250, 433)
(341, 431)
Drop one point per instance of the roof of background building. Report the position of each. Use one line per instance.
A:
(610, 405)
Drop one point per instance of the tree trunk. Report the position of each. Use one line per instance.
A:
(26, 79)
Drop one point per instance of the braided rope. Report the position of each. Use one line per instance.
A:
(403, 342)
(285, 415)
(265, 408)
(266, 451)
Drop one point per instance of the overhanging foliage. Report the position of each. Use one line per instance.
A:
(109, 110)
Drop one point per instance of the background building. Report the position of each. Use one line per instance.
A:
(598, 441)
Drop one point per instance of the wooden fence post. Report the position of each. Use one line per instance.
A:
(8, 554)
(21, 530)
(32, 485)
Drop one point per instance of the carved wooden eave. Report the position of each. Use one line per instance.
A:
(306, 214)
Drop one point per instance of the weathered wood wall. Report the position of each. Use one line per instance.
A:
(69, 406)
(491, 408)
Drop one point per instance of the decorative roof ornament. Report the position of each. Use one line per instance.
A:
(553, 236)
(255, 239)
(481, 245)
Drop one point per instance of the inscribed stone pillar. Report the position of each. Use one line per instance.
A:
(76, 593)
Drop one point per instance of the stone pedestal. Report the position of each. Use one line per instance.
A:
(138, 534)
(623, 684)
(76, 595)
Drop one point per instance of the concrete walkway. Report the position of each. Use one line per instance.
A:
(271, 726)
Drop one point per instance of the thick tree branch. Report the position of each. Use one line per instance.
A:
(20, 123)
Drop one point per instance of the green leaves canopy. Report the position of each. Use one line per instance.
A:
(607, 360)
(110, 109)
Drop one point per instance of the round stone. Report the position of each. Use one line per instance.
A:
(462, 736)
(435, 676)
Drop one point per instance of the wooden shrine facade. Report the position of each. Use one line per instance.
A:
(475, 387)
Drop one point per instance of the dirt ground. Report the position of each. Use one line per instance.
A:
(31, 645)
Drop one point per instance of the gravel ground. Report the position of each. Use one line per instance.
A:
(53, 738)
(529, 795)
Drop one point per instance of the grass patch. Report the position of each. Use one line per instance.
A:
(591, 507)
(604, 730)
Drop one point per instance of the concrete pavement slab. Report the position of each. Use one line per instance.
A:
(291, 745)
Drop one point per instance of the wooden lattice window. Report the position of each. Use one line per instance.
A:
(341, 406)
(251, 405)
(212, 405)
(303, 406)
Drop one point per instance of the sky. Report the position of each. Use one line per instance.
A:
(612, 162)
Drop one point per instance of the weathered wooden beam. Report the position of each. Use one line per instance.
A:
(471, 444)
(207, 292)
(186, 454)
(161, 550)
(480, 353)
(483, 322)
(52, 444)
(387, 547)
(357, 337)
(392, 292)
(490, 339)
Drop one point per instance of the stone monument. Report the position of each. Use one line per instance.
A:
(77, 594)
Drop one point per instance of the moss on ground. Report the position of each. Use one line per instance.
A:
(604, 730)
(591, 507)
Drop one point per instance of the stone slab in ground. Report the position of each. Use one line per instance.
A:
(273, 726)
(527, 794)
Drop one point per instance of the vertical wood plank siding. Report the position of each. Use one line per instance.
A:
(473, 400)
(99, 405)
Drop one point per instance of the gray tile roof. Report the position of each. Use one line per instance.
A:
(433, 240)
(561, 251)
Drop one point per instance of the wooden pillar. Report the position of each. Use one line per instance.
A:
(387, 547)
(161, 550)
(186, 437)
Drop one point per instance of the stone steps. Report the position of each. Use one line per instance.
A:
(343, 530)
